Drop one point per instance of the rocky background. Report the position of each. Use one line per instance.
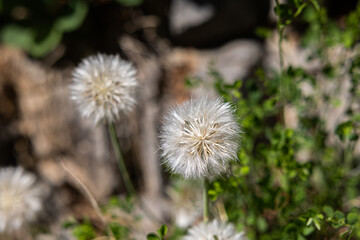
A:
(169, 41)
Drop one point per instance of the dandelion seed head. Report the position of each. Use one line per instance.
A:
(199, 138)
(20, 198)
(214, 230)
(104, 87)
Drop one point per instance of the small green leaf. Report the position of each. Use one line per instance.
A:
(18, 36)
(316, 5)
(244, 170)
(310, 220)
(300, 9)
(344, 233)
(261, 224)
(69, 223)
(328, 211)
(344, 130)
(84, 231)
(317, 224)
(352, 218)
(152, 236)
(74, 20)
(339, 215)
(283, 11)
(308, 230)
(162, 230)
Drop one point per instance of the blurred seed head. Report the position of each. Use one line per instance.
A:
(199, 138)
(20, 198)
(104, 87)
(214, 230)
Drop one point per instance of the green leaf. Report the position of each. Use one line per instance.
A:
(162, 230)
(317, 224)
(352, 218)
(316, 5)
(344, 234)
(339, 215)
(310, 220)
(17, 36)
(308, 230)
(300, 9)
(69, 223)
(47, 44)
(84, 231)
(344, 130)
(152, 236)
(74, 20)
(120, 232)
(283, 11)
(328, 211)
(263, 32)
(261, 224)
(244, 170)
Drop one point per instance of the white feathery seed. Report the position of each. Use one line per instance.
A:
(104, 87)
(20, 198)
(214, 230)
(199, 138)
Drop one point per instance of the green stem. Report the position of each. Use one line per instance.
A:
(283, 81)
(206, 200)
(281, 57)
(124, 174)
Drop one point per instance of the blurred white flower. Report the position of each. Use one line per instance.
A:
(186, 207)
(104, 87)
(214, 230)
(185, 217)
(199, 138)
(20, 198)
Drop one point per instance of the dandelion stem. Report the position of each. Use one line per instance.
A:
(124, 174)
(206, 200)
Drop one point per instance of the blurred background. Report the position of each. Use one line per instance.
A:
(173, 43)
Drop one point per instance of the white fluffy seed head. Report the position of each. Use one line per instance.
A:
(104, 87)
(20, 198)
(214, 230)
(199, 138)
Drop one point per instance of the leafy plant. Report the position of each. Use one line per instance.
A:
(161, 232)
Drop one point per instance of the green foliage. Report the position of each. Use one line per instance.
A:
(38, 26)
(161, 232)
(114, 230)
(291, 181)
(126, 204)
(84, 231)
(42, 33)
(275, 192)
(119, 231)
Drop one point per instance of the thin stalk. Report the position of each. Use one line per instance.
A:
(206, 200)
(122, 167)
(283, 81)
(124, 174)
(90, 197)
(281, 57)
